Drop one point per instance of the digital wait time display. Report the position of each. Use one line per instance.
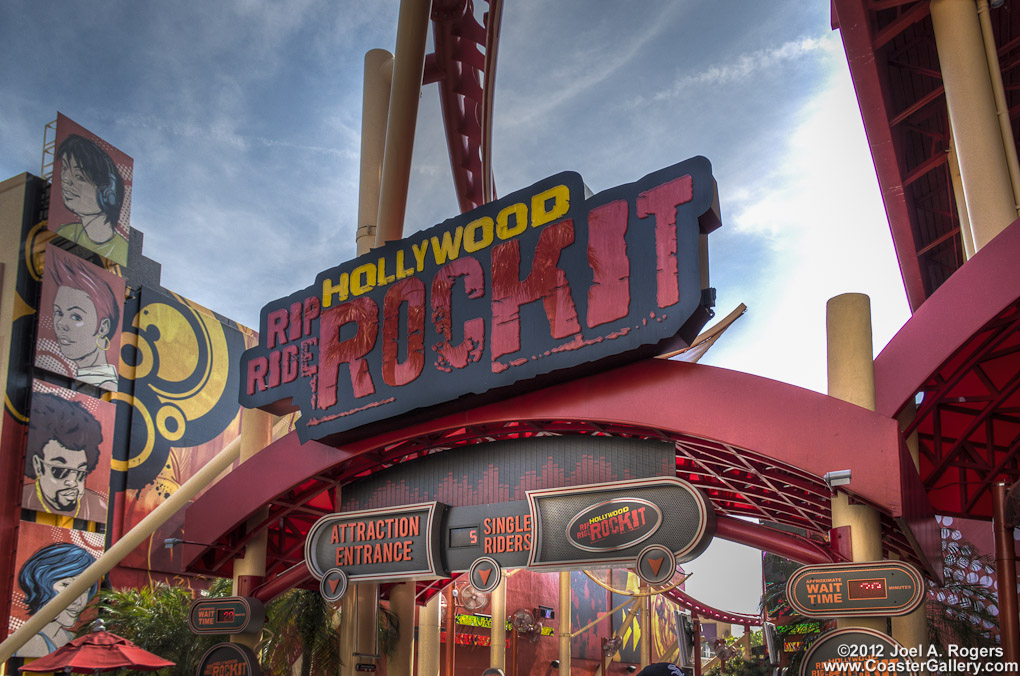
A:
(874, 588)
(228, 615)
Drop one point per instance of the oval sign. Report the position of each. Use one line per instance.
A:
(873, 588)
(614, 524)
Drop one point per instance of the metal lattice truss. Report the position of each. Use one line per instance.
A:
(464, 66)
(739, 483)
(968, 422)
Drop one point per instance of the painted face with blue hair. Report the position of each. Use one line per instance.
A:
(51, 570)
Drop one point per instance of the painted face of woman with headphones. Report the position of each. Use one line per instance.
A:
(93, 191)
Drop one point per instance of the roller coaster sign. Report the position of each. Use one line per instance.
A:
(524, 291)
(651, 524)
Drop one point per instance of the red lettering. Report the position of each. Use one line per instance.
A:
(360, 531)
(294, 327)
(545, 281)
(311, 311)
(472, 345)
(334, 536)
(662, 202)
(276, 324)
(473, 534)
(609, 294)
(409, 292)
(258, 368)
(364, 314)
(274, 368)
(290, 363)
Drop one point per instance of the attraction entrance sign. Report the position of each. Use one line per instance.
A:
(885, 588)
(534, 287)
(652, 524)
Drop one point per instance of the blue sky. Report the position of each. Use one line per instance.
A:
(243, 118)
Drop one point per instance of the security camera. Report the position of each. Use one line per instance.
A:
(838, 478)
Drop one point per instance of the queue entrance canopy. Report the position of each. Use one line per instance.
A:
(537, 286)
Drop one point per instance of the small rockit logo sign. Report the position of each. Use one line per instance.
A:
(614, 524)
(542, 284)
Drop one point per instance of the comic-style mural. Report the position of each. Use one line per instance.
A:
(48, 560)
(630, 650)
(90, 204)
(79, 331)
(180, 359)
(588, 601)
(67, 457)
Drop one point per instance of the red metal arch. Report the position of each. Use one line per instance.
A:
(756, 447)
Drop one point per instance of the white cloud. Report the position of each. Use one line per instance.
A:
(818, 209)
(747, 65)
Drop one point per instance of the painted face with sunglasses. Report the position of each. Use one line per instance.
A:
(60, 473)
(63, 449)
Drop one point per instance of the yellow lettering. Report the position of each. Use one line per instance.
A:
(471, 241)
(449, 247)
(419, 250)
(520, 213)
(329, 289)
(363, 279)
(402, 272)
(541, 213)
(383, 278)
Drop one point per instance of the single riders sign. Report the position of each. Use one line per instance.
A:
(531, 287)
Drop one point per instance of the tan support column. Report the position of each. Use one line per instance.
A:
(375, 105)
(497, 646)
(428, 637)
(564, 623)
(408, 66)
(366, 638)
(999, 92)
(971, 103)
(851, 376)
(348, 631)
(966, 234)
(402, 604)
(912, 630)
(646, 628)
(256, 434)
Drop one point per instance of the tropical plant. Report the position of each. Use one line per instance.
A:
(301, 626)
(156, 618)
(301, 623)
(738, 666)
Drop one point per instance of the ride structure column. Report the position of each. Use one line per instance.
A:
(969, 96)
(375, 105)
(564, 623)
(256, 434)
(402, 604)
(851, 377)
(497, 644)
(428, 637)
(408, 66)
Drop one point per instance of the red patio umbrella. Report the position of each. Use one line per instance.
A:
(96, 652)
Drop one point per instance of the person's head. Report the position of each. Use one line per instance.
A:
(85, 310)
(89, 181)
(49, 571)
(63, 447)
